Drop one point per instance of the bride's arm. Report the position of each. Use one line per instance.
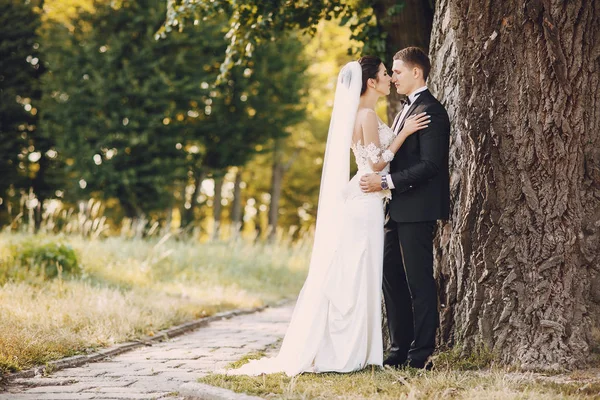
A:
(373, 182)
(377, 158)
(413, 123)
(370, 128)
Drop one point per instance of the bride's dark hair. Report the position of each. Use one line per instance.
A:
(370, 68)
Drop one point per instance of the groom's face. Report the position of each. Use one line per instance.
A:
(403, 76)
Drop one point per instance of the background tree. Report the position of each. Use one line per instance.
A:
(18, 76)
(280, 121)
(26, 156)
(141, 120)
(116, 105)
(257, 105)
(301, 153)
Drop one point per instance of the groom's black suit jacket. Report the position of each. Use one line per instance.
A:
(419, 170)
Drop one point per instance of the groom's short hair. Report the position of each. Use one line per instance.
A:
(415, 57)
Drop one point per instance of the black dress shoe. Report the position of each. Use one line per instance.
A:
(420, 364)
(394, 360)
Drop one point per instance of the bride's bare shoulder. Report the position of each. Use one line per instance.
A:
(365, 114)
(366, 111)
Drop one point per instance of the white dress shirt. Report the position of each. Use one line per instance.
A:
(398, 121)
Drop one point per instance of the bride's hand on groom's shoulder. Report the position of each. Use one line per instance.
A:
(415, 123)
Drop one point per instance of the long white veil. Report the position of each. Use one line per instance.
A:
(336, 168)
(298, 349)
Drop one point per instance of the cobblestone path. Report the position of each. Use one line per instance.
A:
(157, 371)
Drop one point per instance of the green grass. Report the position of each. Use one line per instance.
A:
(456, 376)
(128, 288)
(455, 358)
(244, 360)
(376, 383)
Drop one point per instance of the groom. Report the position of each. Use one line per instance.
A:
(419, 180)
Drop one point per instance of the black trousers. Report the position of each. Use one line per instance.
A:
(409, 288)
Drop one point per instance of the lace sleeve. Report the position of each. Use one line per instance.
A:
(373, 152)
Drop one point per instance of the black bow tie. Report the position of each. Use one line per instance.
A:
(407, 101)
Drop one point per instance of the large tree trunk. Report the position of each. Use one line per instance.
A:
(41, 187)
(188, 214)
(278, 170)
(519, 260)
(236, 208)
(129, 203)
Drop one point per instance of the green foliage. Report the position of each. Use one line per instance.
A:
(135, 118)
(19, 68)
(303, 149)
(258, 102)
(255, 22)
(112, 93)
(24, 161)
(46, 258)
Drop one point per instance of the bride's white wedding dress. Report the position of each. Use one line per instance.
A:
(339, 327)
(336, 324)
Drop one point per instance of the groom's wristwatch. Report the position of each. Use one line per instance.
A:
(384, 183)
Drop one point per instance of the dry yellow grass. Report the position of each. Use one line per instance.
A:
(456, 376)
(388, 383)
(130, 288)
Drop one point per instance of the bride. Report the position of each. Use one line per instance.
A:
(336, 324)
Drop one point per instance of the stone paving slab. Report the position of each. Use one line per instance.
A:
(161, 370)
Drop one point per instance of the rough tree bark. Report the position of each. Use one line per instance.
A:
(519, 264)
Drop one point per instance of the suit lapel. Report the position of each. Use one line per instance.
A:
(396, 121)
(412, 107)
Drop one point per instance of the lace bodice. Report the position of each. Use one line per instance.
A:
(371, 152)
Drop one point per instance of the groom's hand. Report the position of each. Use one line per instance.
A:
(370, 183)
